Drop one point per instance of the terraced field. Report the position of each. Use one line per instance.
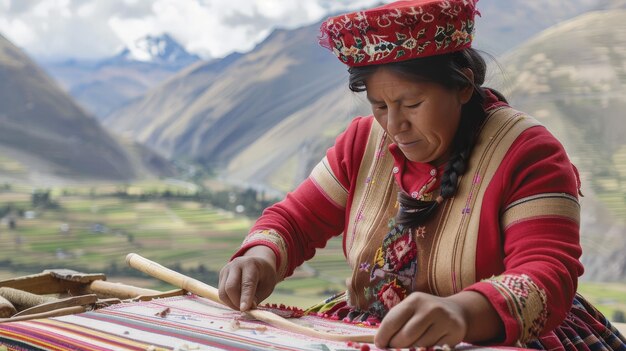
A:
(93, 230)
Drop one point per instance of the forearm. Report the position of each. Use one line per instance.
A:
(483, 322)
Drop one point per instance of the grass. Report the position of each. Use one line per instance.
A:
(606, 297)
(11, 167)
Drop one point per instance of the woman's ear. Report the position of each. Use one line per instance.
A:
(466, 92)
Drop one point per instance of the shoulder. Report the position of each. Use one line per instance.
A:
(537, 144)
(344, 157)
(535, 163)
(351, 142)
(359, 127)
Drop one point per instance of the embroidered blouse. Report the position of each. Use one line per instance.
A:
(511, 233)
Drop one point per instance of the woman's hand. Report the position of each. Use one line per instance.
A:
(249, 279)
(422, 320)
(425, 320)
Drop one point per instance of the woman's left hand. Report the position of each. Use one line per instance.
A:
(423, 320)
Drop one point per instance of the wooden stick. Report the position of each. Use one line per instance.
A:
(55, 313)
(121, 291)
(201, 289)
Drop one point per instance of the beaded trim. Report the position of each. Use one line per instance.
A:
(526, 301)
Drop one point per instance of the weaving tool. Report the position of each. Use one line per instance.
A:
(204, 290)
(64, 281)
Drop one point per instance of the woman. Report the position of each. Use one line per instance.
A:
(459, 215)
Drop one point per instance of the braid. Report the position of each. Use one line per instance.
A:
(413, 212)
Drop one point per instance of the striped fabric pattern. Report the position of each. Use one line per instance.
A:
(326, 181)
(178, 323)
(548, 205)
(584, 328)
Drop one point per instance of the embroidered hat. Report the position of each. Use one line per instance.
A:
(401, 30)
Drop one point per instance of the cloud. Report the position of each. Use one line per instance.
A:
(17, 7)
(58, 29)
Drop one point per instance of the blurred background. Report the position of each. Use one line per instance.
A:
(165, 127)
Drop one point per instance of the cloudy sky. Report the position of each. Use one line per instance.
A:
(57, 29)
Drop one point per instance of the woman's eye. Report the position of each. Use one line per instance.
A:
(381, 107)
(413, 105)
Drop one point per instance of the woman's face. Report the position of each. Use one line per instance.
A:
(420, 117)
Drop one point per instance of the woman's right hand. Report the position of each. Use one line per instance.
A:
(249, 279)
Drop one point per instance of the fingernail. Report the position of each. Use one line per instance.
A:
(243, 306)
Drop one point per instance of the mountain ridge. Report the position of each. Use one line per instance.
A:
(51, 139)
(158, 50)
(101, 86)
(214, 107)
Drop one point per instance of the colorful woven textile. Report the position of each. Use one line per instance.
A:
(179, 323)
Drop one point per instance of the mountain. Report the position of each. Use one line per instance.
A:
(104, 85)
(610, 4)
(159, 50)
(44, 133)
(46, 138)
(265, 117)
(572, 77)
(505, 24)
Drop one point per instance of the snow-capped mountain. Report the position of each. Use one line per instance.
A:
(162, 50)
(104, 85)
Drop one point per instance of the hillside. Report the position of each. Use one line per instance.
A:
(102, 86)
(572, 77)
(506, 24)
(258, 115)
(45, 137)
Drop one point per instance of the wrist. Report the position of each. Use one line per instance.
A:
(482, 321)
(263, 252)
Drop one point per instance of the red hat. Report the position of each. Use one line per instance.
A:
(401, 30)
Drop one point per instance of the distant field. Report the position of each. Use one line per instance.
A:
(93, 230)
(96, 232)
(606, 297)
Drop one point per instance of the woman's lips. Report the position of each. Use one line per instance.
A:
(406, 144)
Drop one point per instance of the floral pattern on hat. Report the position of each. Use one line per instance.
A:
(399, 31)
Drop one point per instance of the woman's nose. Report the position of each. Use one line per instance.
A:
(396, 121)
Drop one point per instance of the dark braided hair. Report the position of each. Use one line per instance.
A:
(446, 70)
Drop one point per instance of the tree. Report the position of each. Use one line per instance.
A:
(619, 316)
(42, 199)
